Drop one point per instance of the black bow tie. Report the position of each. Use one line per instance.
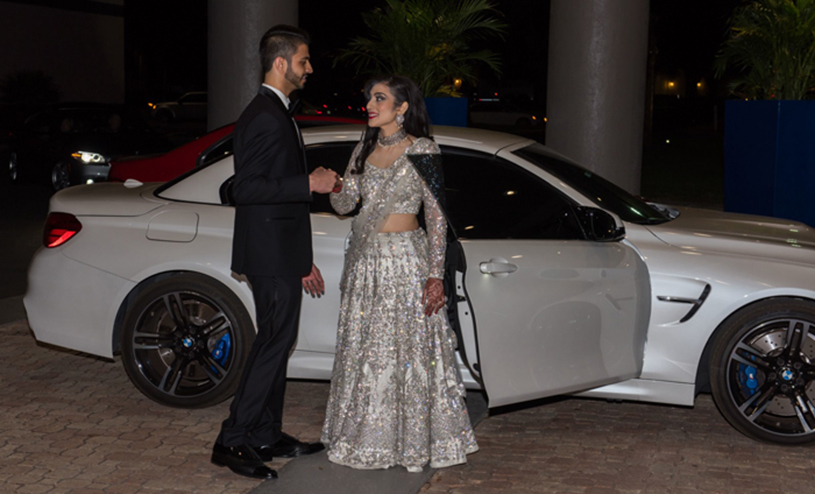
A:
(293, 107)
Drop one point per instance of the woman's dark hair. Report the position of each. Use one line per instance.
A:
(417, 123)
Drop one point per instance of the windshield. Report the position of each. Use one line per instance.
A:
(599, 190)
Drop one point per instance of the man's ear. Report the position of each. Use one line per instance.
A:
(280, 64)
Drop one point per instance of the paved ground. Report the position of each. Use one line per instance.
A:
(74, 423)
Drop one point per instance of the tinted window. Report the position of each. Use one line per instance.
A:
(595, 188)
(334, 157)
(488, 198)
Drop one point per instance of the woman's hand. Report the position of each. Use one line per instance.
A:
(313, 284)
(433, 296)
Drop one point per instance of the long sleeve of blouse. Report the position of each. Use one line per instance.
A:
(436, 232)
(346, 199)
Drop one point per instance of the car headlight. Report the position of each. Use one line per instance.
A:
(89, 157)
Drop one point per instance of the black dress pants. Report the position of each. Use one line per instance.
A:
(256, 413)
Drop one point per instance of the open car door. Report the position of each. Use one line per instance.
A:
(553, 312)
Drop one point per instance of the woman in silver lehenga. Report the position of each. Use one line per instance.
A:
(396, 397)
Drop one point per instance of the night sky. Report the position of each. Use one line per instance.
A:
(166, 54)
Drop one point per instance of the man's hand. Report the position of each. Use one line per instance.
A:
(433, 296)
(322, 180)
(313, 284)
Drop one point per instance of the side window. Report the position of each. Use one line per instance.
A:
(334, 157)
(489, 198)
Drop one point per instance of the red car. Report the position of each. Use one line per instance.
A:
(198, 152)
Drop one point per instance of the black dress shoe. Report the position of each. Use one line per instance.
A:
(288, 447)
(242, 460)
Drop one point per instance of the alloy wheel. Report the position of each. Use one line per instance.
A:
(771, 376)
(182, 344)
(762, 370)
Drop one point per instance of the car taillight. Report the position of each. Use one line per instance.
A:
(59, 228)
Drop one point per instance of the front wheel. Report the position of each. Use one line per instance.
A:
(762, 371)
(59, 176)
(185, 341)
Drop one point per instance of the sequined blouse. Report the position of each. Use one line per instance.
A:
(410, 194)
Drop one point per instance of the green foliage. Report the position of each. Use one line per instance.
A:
(771, 44)
(32, 86)
(428, 41)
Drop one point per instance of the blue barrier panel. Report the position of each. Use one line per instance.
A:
(749, 156)
(447, 111)
(795, 167)
(769, 158)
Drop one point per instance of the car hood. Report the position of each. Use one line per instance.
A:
(106, 199)
(739, 234)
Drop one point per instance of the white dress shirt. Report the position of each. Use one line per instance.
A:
(279, 93)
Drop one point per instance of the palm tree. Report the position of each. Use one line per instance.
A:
(771, 43)
(428, 41)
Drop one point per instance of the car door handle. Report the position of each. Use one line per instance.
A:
(497, 266)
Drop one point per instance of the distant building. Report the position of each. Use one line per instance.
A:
(80, 43)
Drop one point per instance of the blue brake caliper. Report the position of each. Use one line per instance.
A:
(221, 351)
(747, 378)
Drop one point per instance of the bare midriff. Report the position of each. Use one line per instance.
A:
(400, 223)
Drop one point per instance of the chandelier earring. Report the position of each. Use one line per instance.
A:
(400, 120)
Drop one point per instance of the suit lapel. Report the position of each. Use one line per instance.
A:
(276, 101)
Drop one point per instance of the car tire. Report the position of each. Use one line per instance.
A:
(60, 178)
(185, 340)
(762, 371)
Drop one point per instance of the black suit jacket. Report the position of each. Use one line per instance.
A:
(272, 235)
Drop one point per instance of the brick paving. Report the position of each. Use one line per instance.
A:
(70, 422)
(570, 445)
(74, 423)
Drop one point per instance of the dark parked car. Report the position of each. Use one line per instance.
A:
(190, 106)
(73, 143)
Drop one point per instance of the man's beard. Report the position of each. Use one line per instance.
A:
(293, 78)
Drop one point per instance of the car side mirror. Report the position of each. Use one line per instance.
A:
(598, 225)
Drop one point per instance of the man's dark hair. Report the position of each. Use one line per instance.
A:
(281, 41)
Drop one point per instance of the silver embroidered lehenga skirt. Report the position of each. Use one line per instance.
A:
(396, 397)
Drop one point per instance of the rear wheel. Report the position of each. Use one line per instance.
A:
(762, 371)
(185, 341)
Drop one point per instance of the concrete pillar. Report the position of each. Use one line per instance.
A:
(233, 63)
(598, 52)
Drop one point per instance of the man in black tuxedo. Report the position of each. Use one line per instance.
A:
(272, 247)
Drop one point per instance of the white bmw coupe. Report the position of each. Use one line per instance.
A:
(558, 281)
